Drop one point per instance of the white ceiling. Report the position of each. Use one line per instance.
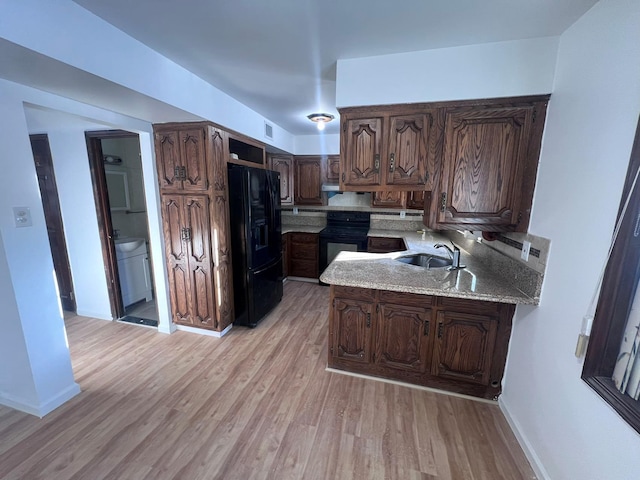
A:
(279, 56)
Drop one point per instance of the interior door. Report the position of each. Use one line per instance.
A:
(53, 218)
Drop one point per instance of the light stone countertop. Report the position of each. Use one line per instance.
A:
(301, 229)
(380, 271)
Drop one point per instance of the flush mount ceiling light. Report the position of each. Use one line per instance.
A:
(321, 119)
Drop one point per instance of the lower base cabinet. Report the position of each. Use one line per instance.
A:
(452, 344)
(303, 251)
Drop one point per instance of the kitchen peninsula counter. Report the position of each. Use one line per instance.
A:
(480, 280)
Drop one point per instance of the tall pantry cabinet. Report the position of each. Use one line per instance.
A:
(191, 160)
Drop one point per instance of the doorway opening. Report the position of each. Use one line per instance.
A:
(116, 171)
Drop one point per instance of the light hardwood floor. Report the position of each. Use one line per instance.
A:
(256, 404)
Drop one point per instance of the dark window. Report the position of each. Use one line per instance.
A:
(616, 297)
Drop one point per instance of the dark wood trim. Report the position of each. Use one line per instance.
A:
(103, 212)
(616, 297)
(420, 107)
(53, 218)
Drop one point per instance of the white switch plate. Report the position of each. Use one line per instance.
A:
(22, 216)
(295, 210)
(402, 213)
(526, 247)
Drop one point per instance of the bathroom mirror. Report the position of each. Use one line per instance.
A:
(118, 190)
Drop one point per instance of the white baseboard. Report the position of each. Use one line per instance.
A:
(532, 456)
(303, 279)
(97, 315)
(201, 331)
(45, 407)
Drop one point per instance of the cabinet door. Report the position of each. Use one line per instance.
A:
(351, 330)
(200, 266)
(308, 180)
(415, 200)
(167, 147)
(362, 150)
(485, 153)
(388, 199)
(285, 255)
(402, 337)
(464, 346)
(333, 169)
(193, 156)
(284, 165)
(173, 222)
(408, 147)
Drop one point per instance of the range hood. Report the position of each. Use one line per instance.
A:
(330, 187)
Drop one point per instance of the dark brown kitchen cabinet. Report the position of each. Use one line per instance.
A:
(284, 165)
(181, 160)
(407, 150)
(361, 153)
(351, 339)
(303, 254)
(400, 200)
(386, 148)
(415, 200)
(385, 245)
(196, 226)
(333, 168)
(387, 199)
(489, 165)
(308, 172)
(452, 344)
(402, 337)
(188, 251)
(285, 255)
(464, 346)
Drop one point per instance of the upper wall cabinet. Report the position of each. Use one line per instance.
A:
(489, 165)
(385, 149)
(284, 165)
(181, 160)
(308, 175)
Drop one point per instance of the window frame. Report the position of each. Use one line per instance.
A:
(619, 286)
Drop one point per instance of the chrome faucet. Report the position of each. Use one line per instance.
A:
(453, 253)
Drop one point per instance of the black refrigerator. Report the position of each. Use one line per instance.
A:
(256, 242)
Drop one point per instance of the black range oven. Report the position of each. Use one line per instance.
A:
(344, 231)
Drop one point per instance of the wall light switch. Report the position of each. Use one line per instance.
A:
(402, 213)
(295, 210)
(526, 247)
(22, 216)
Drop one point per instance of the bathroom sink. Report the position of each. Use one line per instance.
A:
(125, 245)
(426, 260)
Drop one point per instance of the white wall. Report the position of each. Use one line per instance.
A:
(30, 269)
(317, 145)
(66, 32)
(589, 133)
(521, 67)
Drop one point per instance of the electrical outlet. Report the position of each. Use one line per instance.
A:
(526, 247)
(402, 214)
(22, 216)
(295, 210)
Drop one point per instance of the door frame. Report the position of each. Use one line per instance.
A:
(103, 212)
(53, 219)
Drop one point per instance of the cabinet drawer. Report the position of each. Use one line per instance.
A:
(384, 244)
(401, 298)
(471, 306)
(303, 268)
(310, 238)
(354, 293)
(303, 251)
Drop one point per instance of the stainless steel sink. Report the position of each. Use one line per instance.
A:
(426, 260)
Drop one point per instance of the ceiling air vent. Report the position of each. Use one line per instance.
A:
(268, 130)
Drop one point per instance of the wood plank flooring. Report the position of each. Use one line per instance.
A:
(256, 404)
